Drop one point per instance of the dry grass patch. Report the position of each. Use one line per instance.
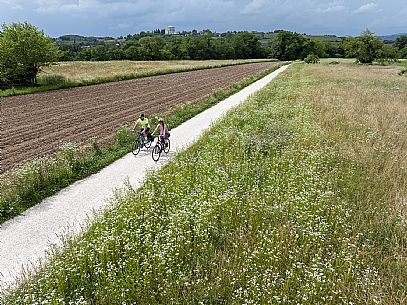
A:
(363, 109)
(367, 106)
(88, 70)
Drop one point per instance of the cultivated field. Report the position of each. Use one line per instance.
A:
(296, 197)
(37, 124)
(88, 70)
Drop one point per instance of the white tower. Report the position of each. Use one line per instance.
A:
(170, 30)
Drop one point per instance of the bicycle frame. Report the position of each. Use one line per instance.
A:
(160, 146)
(140, 143)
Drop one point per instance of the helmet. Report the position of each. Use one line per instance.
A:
(160, 120)
(142, 115)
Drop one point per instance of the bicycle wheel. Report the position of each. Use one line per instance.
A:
(156, 152)
(147, 144)
(167, 146)
(135, 147)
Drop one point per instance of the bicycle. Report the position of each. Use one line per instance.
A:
(140, 143)
(160, 146)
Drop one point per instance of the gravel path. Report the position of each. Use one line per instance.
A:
(25, 239)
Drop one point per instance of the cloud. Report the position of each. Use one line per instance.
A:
(12, 5)
(298, 8)
(262, 6)
(201, 11)
(124, 25)
(368, 8)
(254, 6)
(396, 22)
(331, 8)
(400, 19)
(146, 13)
(57, 6)
(142, 14)
(100, 8)
(118, 17)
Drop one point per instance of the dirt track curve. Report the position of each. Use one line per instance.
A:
(36, 124)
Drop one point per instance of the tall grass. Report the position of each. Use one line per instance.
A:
(265, 209)
(35, 180)
(89, 73)
(363, 109)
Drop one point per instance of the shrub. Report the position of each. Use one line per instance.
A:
(95, 146)
(53, 79)
(124, 136)
(72, 154)
(312, 59)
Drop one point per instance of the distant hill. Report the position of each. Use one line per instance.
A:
(79, 38)
(391, 38)
(76, 42)
(326, 38)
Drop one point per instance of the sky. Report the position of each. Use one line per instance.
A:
(121, 17)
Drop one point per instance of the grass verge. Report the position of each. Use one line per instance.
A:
(33, 181)
(55, 82)
(266, 208)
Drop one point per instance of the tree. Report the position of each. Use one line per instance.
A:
(99, 52)
(387, 53)
(222, 49)
(403, 52)
(401, 42)
(246, 45)
(335, 49)
(290, 46)
(85, 54)
(314, 47)
(23, 51)
(115, 53)
(401, 45)
(174, 47)
(366, 48)
(202, 46)
(150, 47)
(130, 50)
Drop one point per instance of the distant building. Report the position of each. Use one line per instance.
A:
(170, 30)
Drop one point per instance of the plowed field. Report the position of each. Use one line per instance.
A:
(37, 124)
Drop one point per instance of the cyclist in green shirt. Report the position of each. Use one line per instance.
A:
(142, 121)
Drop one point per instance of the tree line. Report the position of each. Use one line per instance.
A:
(240, 45)
(243, 45)
(283, 45)
(24, 49)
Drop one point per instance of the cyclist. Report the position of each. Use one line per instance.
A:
(144, 126)
(164, 134)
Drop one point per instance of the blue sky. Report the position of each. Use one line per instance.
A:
(122, 17)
